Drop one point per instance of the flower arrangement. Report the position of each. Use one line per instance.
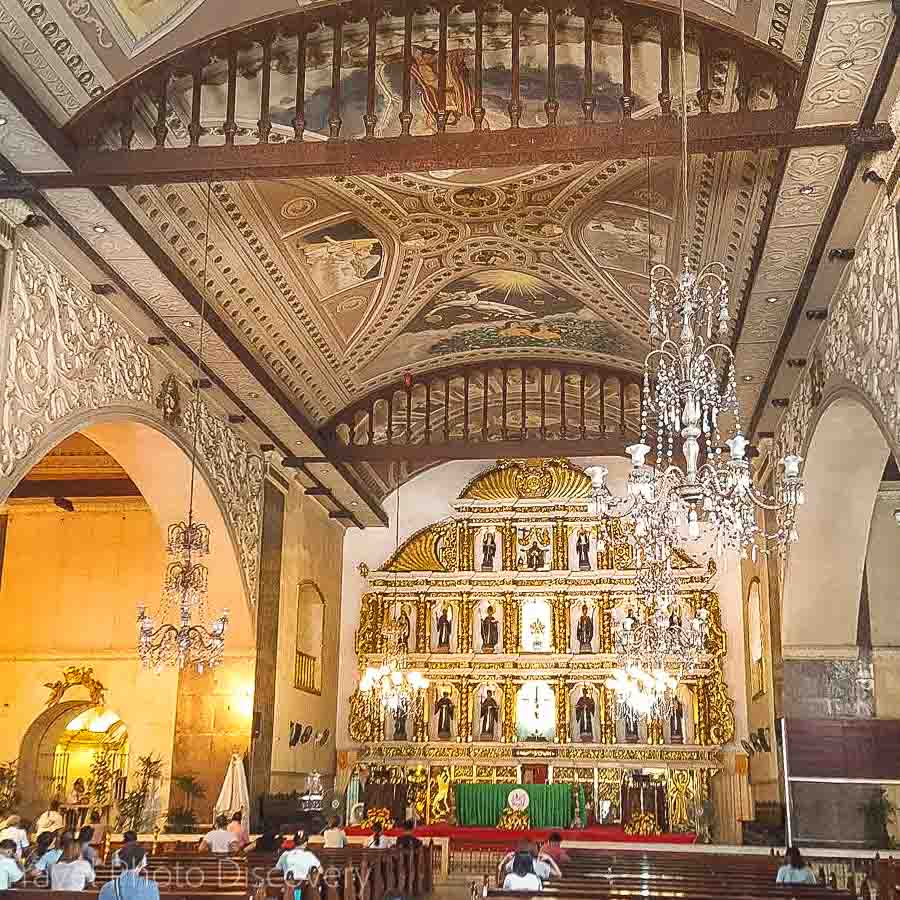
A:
(642, 825)
(513, 820)
(380, 815)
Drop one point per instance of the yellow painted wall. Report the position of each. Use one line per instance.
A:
(313, 551)
(70, 585)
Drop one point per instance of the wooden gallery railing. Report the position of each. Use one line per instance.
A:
(525, 408)
(320, 89)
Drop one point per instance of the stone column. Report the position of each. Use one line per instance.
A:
(267, 613)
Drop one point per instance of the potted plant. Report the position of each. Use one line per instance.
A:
(878, 813)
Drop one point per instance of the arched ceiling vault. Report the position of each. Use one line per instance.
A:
(325, 289)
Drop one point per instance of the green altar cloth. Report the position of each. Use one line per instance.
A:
(550, 805)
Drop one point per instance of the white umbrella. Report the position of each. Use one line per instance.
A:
(234, 795)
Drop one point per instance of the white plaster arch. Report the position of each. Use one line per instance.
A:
(846, 451)
(103, 427)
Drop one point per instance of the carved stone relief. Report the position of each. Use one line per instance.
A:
(65, 355)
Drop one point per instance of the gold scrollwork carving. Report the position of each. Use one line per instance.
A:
(76, 676)
(680, 796)
(559, 606)
(368, 634)
(508, 711)
(362, 726)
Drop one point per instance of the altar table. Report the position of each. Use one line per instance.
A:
(550, 805)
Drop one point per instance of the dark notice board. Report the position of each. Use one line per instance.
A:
(843, 748)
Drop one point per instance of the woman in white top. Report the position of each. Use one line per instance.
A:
(73, 872)
(11, 830)
(220, 840)
(335, 836)
(378, 840)
(522, 877)
(795, 870)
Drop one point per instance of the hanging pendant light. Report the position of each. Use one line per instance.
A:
(183, 639)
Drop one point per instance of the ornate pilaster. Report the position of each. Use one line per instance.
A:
(701, 713)
(466, 544)
(420, 720)
(508, 545)
(464, 723)
(509, 711)
(560, 545)
(562, 711)
(369, 632)
(655, 732)
(608, 698)
(604, 623)
(560, 623)
(423, 623)
(464, 635)
(511, 624)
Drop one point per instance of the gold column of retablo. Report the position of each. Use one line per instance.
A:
(604, 624)
(420, 720)
(423, 623)
(701, 713)
(508, 550)
(510, 624)
(562, 711)
(609, 698)
(561, 623)
(464, 725)
(466, 540)
(464, 635)
(509, 710)
(560, 545)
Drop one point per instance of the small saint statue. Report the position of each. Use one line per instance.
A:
(584, 715)
(583, 549)
(400, 716)
(585, 631)
(444, 630)
(444, 710)
(490, 714)
(404, 631)
(676, 723)
(631, 730)
(490, 632)
(488, 551)
(535, 556)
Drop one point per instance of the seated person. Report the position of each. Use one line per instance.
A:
(407, 840)
(543, 866)
(335, 836)
(795, 870)
(267, 842)
(129, 839)
(51, 820)
(220, 839)
(85, 839)
(296, 864)
(553, 849)
(130, 884)
(378, 841)
(45, 840)
(522, 877)
(72, 872)
(236, 827)
(10, 870)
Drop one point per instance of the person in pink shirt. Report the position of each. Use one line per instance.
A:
(236, 827)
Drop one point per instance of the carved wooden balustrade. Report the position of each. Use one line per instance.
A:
(317, 92)
(516, 407)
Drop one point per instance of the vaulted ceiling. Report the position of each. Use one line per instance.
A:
(326, 289)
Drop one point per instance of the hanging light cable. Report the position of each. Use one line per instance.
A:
(188, 642)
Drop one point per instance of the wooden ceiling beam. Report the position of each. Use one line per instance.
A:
(629, 139)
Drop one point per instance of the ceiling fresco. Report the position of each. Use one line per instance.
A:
(343, 284)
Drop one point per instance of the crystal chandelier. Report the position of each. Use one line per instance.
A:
(186, 641)
(690, 386)
(642, 693)
(393, 686)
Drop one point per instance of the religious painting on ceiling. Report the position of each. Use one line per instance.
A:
(340, 255)
(423, 72)
(499, 310)
(133, 21)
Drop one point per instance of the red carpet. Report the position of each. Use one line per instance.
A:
(495, 838)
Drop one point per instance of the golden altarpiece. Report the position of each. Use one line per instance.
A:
(508, 607)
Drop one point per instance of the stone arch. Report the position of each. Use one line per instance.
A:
(846, 449)
(44, 731)
(96, 425)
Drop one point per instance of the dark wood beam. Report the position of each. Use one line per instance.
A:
(614, 445)
(629, 139)
(75, 487)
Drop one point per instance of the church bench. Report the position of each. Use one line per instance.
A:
(563, 891)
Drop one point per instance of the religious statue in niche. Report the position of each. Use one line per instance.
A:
(535, 556)
(583, 549)
(631, 730)
(488, 551)
(490, 631)
(444, 629)
(403, 627)
(584, 715)
(676, 723)
(585, 631)
(444, 711)
(400, 717)
(490, 715)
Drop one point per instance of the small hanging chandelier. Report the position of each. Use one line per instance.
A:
(186, 642)
(393, 686)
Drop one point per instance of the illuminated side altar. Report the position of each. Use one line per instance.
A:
(508, 608)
